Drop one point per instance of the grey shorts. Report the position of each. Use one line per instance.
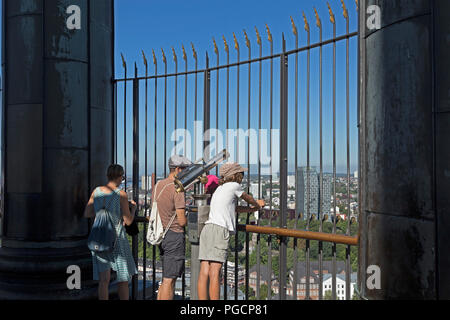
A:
(214, 243)
(173, 253)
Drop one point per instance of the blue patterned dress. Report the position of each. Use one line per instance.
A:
(121, 259)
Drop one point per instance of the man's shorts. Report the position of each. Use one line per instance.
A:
(214, 243)
(173, 254)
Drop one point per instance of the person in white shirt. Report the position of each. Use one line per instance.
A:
(220, 225)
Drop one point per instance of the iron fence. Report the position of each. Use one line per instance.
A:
(294, 225)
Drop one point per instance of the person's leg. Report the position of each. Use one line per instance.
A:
(214, 280)
(123, 290)
(173, 247)
(166, 289)
(104, 278)
(202, 284)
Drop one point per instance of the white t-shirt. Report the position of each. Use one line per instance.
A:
(223, 205)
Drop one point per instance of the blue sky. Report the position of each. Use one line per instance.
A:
(146, 25)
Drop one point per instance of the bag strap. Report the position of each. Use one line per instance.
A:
(169, 225)
(110, 218)
(173, 217)
(159, 195)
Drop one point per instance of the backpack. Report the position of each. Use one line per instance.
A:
(103, 236)
(155, 231)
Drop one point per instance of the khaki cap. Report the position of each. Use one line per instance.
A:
(231, 168)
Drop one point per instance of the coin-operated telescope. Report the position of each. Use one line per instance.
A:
(197, 172)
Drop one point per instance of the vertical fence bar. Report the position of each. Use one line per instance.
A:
(216, 50)
(185, 100)
(247, 235)
(144, 259)
(155, 62)
(308, 169)
(320, 214)
(194, 53)
(283, 166)
(207, 109)
(175, 59)
(360, 135)
(124, 64)
(185, 148)
(269, 258)
(295, 242)
(334, 247)
(135, 172)
(347, 252)
(227, 50)
(116, 159)
(258, 237)
(165, 113)
(236, 236)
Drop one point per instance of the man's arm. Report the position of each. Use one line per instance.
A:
(181, 217)
(180, 205)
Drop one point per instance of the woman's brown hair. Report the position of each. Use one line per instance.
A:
(233, 178)
(114, 171)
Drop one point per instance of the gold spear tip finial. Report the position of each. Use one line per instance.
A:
(154, 57)
(247, 42)
(124, 64)
(164, 55)
(318, 22)
(215, 46)
(258, 37)
(236, 44)
(225, 43)
(345, 9)
(332, 19)
(194, 53)
(184, 53)
(357, 4)
(174, 55)
(145, 59)
(294, 28)
(306, 22)
(269, 35)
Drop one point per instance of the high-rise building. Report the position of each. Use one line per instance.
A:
(144, 181)
(291, 181)
(254, 190)
(313, 193)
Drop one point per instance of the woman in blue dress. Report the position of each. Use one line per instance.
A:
(120, 259)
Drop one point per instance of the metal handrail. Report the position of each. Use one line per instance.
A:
(300, 234)
(291, 233)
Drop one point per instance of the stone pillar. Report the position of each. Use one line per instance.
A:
(57, 140)
(405, 159)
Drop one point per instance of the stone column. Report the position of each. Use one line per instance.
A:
(405, 159)
(57, 140)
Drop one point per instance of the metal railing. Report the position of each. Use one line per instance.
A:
(227, 113)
